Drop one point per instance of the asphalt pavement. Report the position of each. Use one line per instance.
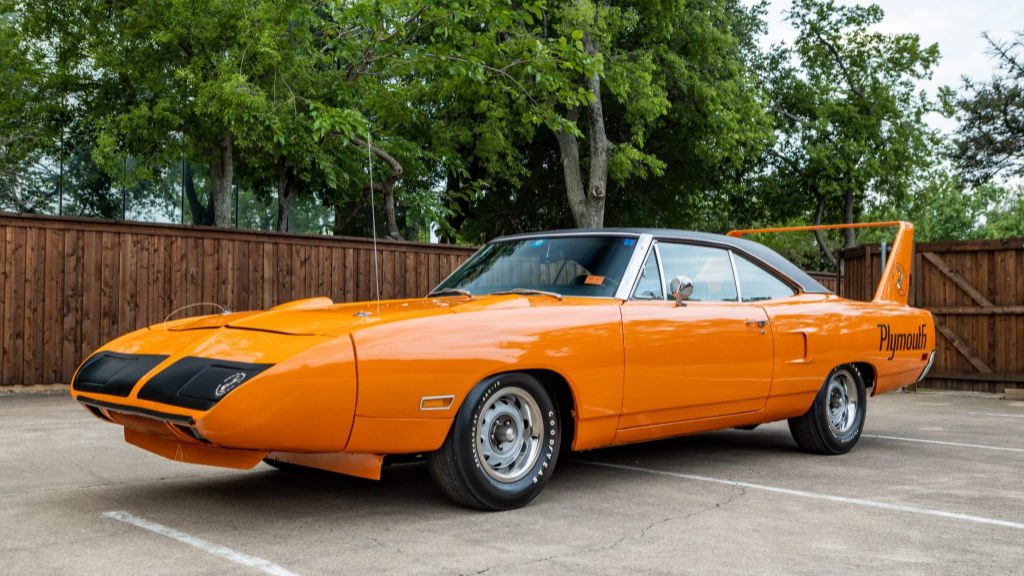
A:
(936, 486)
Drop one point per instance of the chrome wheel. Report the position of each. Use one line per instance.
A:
(509, 431)
(842, 400)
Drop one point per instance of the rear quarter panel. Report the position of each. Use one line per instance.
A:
(815, 333)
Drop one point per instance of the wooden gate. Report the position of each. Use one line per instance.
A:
(975, 289)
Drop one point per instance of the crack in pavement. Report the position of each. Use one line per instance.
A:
(637, 536)
(419, 558)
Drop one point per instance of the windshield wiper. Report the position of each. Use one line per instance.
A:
(530, 291)
(451, 292)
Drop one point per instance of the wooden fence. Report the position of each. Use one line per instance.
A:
(68, 284)
(976, 292)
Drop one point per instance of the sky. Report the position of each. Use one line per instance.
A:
(956, 25)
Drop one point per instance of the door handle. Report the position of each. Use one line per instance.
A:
(759, 323)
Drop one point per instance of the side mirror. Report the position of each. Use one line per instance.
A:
(682, 289)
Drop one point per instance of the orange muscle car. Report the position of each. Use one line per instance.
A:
(540, 343)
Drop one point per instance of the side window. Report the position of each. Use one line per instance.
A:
(708, 268)
(757, 284)
(649, 286)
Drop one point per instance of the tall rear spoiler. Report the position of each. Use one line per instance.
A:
(895, 283)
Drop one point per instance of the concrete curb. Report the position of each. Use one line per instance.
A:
(47, 389)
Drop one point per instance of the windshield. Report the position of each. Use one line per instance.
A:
(567, 265)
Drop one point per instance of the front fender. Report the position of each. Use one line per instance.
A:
(305, 403)
(401, 363)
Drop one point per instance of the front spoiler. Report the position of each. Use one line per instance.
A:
(181, 451)
(360, 465)
(174, 436)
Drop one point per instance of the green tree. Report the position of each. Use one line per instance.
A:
(682, 113)
(850, 115)
(714, 137)
(28, 137)
(989, 140)
(200, 69)
(414, 69)
(1005, 218)
(941, 207)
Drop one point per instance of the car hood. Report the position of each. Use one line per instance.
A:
(320, 316)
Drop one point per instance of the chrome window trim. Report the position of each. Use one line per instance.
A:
(778, 274)
(661, 274)
(643, 242)
(735, 277)
(725, 247)
(631, 275)
(652, 251)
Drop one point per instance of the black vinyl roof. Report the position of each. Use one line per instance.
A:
(760, 252)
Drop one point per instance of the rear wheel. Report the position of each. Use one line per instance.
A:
(503, 445)
(835, 421)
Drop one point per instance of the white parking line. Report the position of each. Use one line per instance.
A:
(995, 415)
(205, 546)
(943, 443)
(815, 495)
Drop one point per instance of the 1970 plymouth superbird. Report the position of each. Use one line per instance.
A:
(538, 344)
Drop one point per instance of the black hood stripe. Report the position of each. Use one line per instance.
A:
(114, 373)
(198, 383)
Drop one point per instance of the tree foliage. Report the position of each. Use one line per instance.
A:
(493, 116)
(850, 115)
(989, 141)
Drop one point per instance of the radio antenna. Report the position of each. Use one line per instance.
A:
(373, 218)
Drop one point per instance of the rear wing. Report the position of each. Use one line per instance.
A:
(895, 283)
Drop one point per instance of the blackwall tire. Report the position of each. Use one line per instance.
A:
(503, 445)
(834, 423)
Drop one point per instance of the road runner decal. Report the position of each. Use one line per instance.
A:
(899, 341)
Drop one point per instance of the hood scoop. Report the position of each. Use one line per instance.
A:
(305, 317)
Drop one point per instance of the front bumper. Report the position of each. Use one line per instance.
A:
(228, 388)
(176, 437)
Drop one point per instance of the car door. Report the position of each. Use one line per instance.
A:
(710, 357)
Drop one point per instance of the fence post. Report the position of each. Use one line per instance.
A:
(124, 192)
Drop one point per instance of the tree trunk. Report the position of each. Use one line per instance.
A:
(569, 150)
(221, 176)
(597, 184)
(284, 194)
(201, 215)
(850, 234)
(587, 200)
(387, 186)
(389, 213)
(818, 235)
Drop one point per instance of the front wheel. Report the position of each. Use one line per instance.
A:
(503, 445)
(836, 419)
